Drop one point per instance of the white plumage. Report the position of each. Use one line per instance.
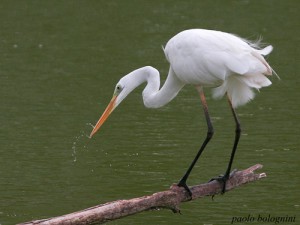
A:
(216, 59)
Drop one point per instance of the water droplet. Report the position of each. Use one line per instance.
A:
(76, 146)
(90, 124)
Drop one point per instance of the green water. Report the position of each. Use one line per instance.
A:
(59, 63)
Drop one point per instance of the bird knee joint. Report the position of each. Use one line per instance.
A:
(210, 133)
(238, 129)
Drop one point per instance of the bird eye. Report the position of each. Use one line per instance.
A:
(118, 88)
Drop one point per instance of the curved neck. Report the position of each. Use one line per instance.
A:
(153, 96)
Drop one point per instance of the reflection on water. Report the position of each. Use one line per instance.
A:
(60, 62)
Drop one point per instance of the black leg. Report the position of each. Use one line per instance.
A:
(237, 136)
(210, 132)
(238, 131)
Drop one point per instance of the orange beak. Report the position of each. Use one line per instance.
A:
(107, 112)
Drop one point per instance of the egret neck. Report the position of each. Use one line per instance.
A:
(153, 97)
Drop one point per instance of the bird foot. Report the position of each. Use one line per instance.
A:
(223, 179)
(183, 184)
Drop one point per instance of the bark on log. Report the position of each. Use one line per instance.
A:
(169, 199)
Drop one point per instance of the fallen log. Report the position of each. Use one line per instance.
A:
(169, 199)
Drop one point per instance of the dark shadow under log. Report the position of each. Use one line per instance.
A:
(169, 199)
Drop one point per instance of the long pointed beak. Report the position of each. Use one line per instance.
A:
(107, 112)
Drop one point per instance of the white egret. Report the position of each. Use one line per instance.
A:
(204, 58)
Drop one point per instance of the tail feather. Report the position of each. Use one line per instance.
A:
(266, 51)
(255, 81)
(268, 69)
(237, 90)
(240, 88)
